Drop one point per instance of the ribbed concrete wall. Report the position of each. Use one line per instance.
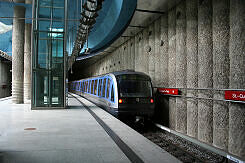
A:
(172, 64)
(145, 51)
(181, 116)
(237, 76)
(151, 52)
(157, 54)
(163, 53)
(205, 71)
(192, 66)
(220, 71)
(132, 51)
(198, 44)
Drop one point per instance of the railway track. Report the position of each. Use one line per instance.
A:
(182, 149)
(172, 148)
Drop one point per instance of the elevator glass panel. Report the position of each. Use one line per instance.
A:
(48, 54)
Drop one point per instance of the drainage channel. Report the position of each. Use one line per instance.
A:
(132, 156)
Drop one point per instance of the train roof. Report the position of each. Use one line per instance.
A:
(116, 73)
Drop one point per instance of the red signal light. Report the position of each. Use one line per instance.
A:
(152, 101)
(120, 101)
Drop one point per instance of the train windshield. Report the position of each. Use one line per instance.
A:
(135, 88)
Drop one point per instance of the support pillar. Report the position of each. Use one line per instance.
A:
(27, 64)
(205, 71)
(18, 54)
(192, 66)
(220, 71)
(237, 77)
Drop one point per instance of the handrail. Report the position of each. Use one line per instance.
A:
(211, 89)
(203, 98)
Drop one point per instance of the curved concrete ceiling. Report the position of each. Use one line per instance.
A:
(139, 21)
(113, 19)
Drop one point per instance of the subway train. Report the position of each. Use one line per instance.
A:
(124, 94)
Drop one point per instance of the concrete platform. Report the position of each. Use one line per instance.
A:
(69, 135)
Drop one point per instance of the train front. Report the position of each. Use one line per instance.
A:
(135, 96)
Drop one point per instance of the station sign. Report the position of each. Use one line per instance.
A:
(168, 91)
(235, 95)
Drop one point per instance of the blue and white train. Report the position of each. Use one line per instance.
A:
(123, 94)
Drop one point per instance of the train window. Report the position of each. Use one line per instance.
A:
(108, 88)
(84, 89)
(92, 87)
(135, 88)
(99, 88)
(89, 86)
(86, 86)
(112, 93)
(95, 87)
(103, 88)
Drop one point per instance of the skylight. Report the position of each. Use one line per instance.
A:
(5, 28)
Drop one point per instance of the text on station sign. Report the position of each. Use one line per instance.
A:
(235, 95)
(168, 91)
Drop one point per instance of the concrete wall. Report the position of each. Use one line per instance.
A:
(5, 79)
(198, 44)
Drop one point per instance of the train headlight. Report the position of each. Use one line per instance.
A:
(152, 101)
(120, 101)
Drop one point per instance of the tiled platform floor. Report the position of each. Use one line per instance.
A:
(68, 135)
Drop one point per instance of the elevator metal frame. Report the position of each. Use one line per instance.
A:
(50, 69)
